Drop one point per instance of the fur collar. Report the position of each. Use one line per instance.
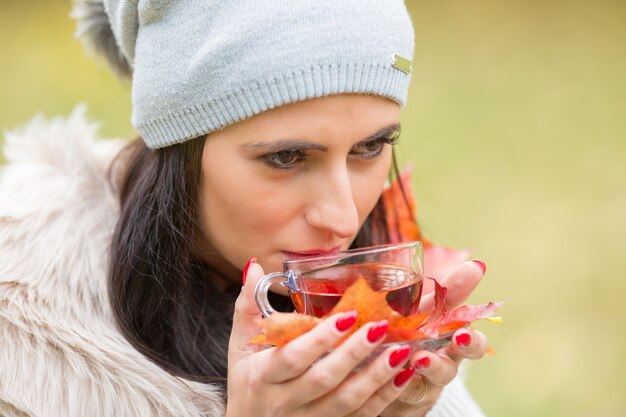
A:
(60, 352)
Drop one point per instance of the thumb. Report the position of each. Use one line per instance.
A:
(246, 311)
(460, 282)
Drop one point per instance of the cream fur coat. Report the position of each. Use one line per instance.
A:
(60, 351)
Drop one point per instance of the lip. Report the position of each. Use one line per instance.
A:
(312, 252)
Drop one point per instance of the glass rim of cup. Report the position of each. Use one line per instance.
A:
(353, 252)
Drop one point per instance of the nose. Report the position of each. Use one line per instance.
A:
(332, 207)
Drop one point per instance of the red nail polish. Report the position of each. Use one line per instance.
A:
(422, 363)
(403, 377)
(399, 355)
(377, 332)
(481, 264)
(244, 275)
(346, 321)
(463, 339)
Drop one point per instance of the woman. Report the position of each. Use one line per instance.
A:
(258, 144)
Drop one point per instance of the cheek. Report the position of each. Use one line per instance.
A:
(242, 215)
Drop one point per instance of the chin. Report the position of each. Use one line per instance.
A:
(272, 262)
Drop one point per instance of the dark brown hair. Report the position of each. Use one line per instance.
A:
(162, 294)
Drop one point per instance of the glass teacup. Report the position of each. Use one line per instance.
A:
(315, 284)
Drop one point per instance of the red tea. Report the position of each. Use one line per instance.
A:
(320, 293)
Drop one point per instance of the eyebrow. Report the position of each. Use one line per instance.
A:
(292, 144)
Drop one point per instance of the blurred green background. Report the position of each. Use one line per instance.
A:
(517, 125)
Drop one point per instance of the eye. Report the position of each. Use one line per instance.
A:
(286, 159)
(374, 147)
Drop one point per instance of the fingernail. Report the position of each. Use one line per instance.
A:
(377, 332)
(403, 377)
(399, 355)
(463, 339)
(244, 275)
(422, 363)
(481, 264)
(346, 321)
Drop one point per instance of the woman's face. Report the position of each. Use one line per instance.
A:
(297, 179)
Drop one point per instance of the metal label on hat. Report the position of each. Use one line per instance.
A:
(402, 64)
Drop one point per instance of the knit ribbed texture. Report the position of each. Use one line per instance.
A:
(200, 65)
(456, 401)
(312, 82)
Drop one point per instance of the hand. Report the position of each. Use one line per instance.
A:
(291, 381)
(435, 370)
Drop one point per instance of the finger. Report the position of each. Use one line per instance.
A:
(439, 261)
(384, 401)
(438, 370)
(362, 391)
(294, 358)
(246, 313)
(467, 344)
(330, 371)
(460, 283)
(418, 394)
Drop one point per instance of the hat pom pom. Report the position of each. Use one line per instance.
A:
(94, 31)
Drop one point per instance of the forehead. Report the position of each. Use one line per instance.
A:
(323, 119)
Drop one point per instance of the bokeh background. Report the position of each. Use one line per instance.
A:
(516, 124)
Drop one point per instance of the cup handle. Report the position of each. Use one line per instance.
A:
(261, 289)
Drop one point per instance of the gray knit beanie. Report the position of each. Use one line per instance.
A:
(199, 65)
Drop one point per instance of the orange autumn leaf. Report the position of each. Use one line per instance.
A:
(405, 328)
(281, 328)
(400, 210)
(371, 305)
